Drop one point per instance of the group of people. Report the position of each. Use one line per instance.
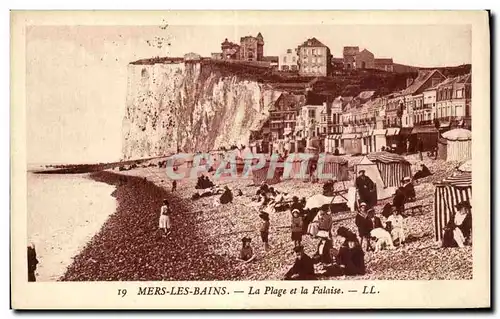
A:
(348, 260)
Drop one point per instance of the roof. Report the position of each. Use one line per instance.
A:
(386, 157)
(458, 134)
(383, 60)
(462, 180)
(423, 76)
(228, 43)
(270, 59)
(313, 42)
(366, 51)
(337, 60)
(365, 95)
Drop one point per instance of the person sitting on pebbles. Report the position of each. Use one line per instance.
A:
(246, 253)
(303, 268)
(459, 229)
(323, 252)
(397, 227)
(350, 258)
(227, 196)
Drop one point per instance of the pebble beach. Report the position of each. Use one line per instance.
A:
(205, 240)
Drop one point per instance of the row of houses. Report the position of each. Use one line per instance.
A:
(366, 122)
(313, 58)
(310, 58)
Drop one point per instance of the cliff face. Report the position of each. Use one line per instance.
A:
(193, 106)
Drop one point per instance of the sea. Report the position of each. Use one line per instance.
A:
(64, 213)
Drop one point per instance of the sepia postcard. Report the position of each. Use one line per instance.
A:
(250, 159)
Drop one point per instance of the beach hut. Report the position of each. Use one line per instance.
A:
(393, 168)
(263, 175)
(372, 171)
(447, 194)
(442, 149)
(332, 165)
(459, 144)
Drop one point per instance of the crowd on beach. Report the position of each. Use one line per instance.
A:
(376, 231)
(339, 250)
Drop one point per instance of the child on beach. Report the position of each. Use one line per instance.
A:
(264, 229)
(297, 224)
(165, 218)
(246, 253)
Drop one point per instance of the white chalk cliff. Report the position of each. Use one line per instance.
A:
(190, 106)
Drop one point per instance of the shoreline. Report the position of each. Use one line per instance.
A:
(128, 246)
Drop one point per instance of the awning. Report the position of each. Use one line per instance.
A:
(337, 136)
(369, 133)
(379, 132)
(405, 131)
(350, 136)
(424, 129)
(393, 131)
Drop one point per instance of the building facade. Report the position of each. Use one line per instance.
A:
(384, 64)
(283, 115)
(453, 99)
(414, 93)
(365, 60)
(252, 48)
(288, 61)
(349, 54)
(314, 58)
(230, 50)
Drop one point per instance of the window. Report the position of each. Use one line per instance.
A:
(284, 59)
(313, 51)
(293, 59)
(459, 94)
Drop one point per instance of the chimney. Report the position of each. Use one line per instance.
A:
(409, 81)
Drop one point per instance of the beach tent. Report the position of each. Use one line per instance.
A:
(262, 175)
(393, 167)
(442, 149)
(332, 165)
(466, 167)
(372, 171)
(459, 144)
(447, 194)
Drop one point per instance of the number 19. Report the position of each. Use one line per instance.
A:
(122, 292)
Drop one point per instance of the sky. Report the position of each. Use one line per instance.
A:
(77, 75)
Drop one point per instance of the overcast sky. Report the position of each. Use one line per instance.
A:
(76, 76)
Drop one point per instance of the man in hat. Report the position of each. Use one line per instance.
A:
(398, 202)
(303, 268)
(408, 189)
(366, 189)
(458, 231)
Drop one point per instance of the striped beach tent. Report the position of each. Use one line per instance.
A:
(393, 167)
(459, 144)
(448, 193)
(262, 175)
(333, 165)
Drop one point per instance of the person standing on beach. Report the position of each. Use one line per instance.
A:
(165, 217)
(32, 263)
(264, 229)
(174, 185)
